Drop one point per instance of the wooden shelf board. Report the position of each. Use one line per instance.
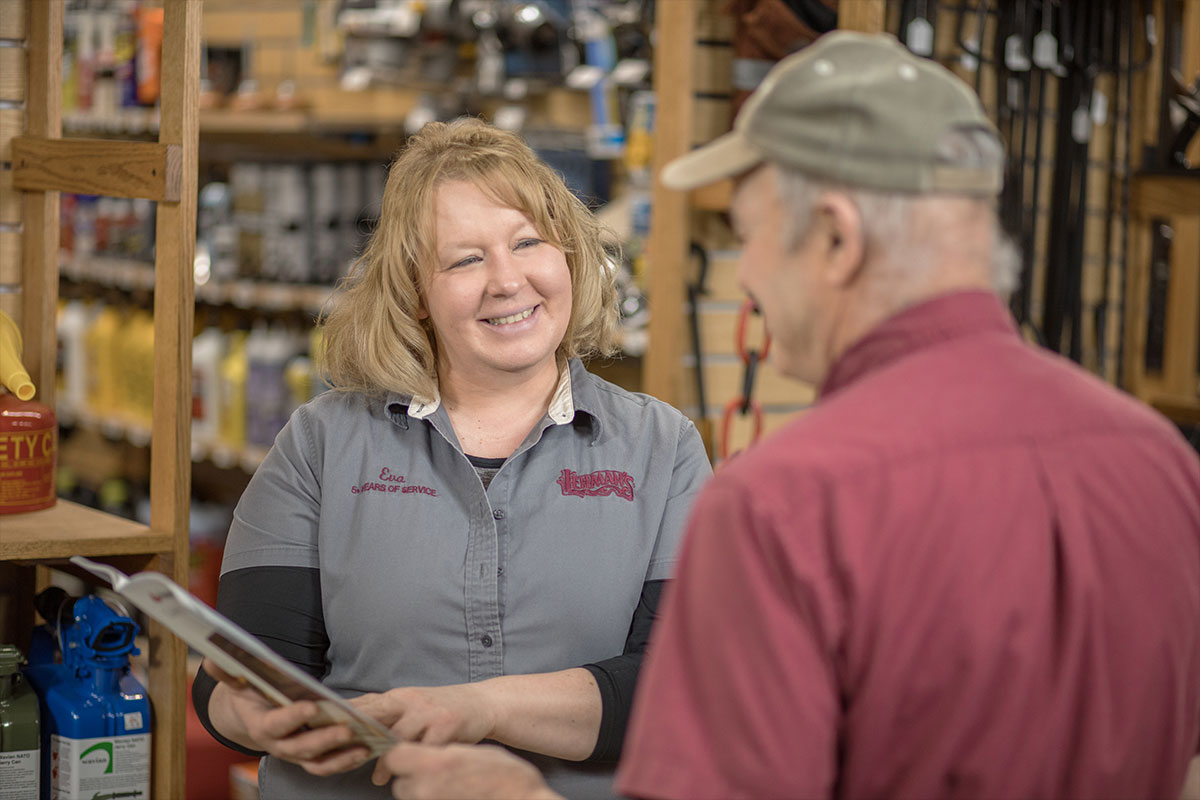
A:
(130, 275)
(69, 529)
(364, 119)
(1181, 409)
(1166, 194)
(97, 166)
(222, 120)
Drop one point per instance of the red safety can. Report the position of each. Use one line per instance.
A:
(28, 455)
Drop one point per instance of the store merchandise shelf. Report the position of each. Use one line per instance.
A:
(69, 529)
(130, 275)
(124, 121)
(247, 457)
(218, 120)
(137, 433)
(144, 121)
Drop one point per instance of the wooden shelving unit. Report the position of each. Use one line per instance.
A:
(69, 529)
(43, 164)
(1174, 389)
(128, 275)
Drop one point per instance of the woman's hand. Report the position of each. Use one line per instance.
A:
(424, 772)
(553, 713)
(433, 714)
(250, 719)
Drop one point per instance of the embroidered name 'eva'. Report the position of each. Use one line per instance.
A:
(391, 483)
(600, 483)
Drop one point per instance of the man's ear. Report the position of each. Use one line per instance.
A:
(843, 240)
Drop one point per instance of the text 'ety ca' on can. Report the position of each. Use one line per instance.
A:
(28, 433)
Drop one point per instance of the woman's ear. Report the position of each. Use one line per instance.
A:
(844, 243)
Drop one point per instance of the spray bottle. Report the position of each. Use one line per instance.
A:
(20, 738)
(95, 714)
(28, 433)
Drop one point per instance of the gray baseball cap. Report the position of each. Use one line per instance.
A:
(852, 108)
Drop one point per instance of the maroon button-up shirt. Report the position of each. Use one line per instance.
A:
(971, 570)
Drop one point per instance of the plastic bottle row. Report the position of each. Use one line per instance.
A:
(289, 223)
(113, 227)
(245, 383)
(301, 223)
(112, 55)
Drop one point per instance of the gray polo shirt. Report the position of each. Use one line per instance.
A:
(428, 579)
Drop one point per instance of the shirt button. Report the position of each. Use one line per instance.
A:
(498, 514)
(486, 640)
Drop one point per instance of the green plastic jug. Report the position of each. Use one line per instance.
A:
(20, 740)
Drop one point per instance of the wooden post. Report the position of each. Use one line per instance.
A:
(861, 15)
(1143, 124)
(39, 260)
(170, 448)
(662, 368)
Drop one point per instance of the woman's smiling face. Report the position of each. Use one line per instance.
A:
(498, 296)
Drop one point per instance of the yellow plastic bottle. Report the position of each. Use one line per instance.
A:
(232, 415)
(104, 374)
(135, 343)
(316, 352)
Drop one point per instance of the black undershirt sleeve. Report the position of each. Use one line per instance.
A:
(282, 607)
(617, 676)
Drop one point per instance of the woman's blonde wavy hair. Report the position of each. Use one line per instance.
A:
(373, 340)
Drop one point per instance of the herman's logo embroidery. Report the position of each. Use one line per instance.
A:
(600, 483)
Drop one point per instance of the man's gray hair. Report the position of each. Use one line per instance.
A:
(904, 232)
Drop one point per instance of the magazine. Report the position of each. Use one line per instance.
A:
(238, 652)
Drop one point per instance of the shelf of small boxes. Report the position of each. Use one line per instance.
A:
(137, 275)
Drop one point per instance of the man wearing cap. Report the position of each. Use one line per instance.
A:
(971, 569)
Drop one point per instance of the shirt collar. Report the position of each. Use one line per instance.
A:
(944, 318)
(585, 397)
(421, 407)
(573, 393)
(562, 404)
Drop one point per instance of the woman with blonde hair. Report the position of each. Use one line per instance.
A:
(470, 535)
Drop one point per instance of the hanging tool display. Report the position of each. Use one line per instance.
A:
(1057, 70)
(746, 404)
(1178, 112)
(538, 41)
(918, 21)
(695, 290)
(767, 30)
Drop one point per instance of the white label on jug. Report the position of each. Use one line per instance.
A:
(20, 772)
(114, 766)
(133, 720)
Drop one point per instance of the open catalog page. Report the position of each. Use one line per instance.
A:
(237, 652)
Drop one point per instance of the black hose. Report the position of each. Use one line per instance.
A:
(695, 290)
(1123, 272)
